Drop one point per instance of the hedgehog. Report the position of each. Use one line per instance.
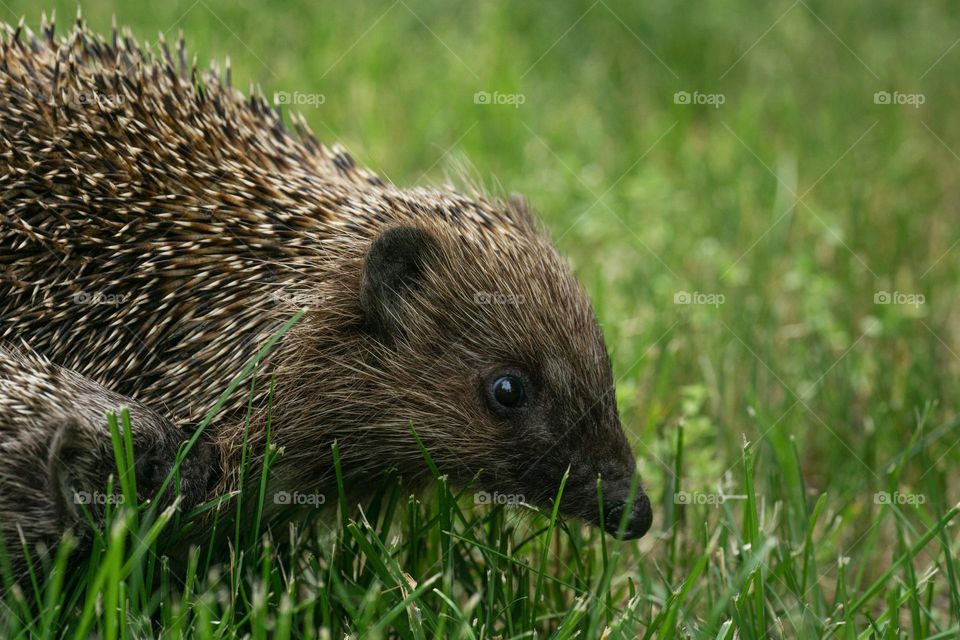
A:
(158, 227)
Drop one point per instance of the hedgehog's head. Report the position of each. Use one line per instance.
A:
(487, 346)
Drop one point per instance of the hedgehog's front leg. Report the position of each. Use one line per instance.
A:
(81, 460)
(57, 456)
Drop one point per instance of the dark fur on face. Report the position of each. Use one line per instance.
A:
(435, 320)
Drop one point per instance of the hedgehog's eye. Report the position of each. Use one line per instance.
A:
(507, 392)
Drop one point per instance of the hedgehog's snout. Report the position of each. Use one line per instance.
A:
(638, 521)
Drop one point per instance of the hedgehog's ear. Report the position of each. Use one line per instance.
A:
(393, 268)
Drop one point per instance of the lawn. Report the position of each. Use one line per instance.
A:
(760, 198)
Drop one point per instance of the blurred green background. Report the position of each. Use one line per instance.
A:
(736, 151)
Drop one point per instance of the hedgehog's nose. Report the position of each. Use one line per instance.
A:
(638, 522)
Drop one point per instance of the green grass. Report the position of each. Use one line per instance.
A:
(798, 200)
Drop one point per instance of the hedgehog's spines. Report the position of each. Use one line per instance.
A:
(195, 75)
(16, 34)
(164, 48)
(49, 27)
(199, 87)
(157, 88)
(170, 73)
(32, 39)
(182, 54)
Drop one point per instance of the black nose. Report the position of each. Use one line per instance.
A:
(638, 522)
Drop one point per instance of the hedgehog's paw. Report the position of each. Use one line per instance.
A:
(188, 480)
(75, 474)
(83, 476)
